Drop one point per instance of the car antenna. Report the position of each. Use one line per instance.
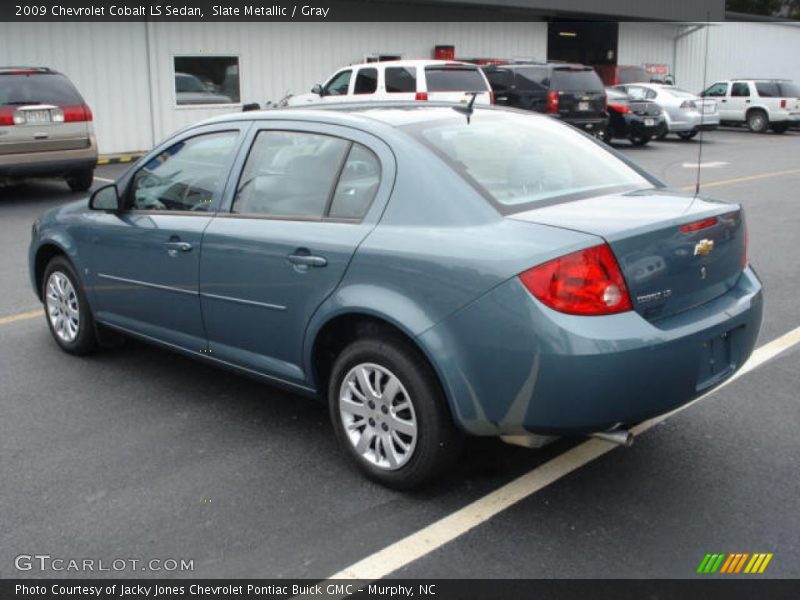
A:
(468, 109)
(702, 109)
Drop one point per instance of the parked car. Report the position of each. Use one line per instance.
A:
(570, 92)
(434, 80)
(190, 89)
(636, 120)
(623, 74)
(686, 114)
(761, 104)
(426, 268)
(45, 128)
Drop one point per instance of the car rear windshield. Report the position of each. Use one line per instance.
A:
(455, 79)
(576, 80)
(38, 88)
(519, 161)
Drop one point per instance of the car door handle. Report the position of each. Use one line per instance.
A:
(307, 260)
(723, 100)
(174, 247)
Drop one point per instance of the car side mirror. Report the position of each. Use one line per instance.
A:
(105, 198)
(317, 89)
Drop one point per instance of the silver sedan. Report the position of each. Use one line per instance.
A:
(686, 113)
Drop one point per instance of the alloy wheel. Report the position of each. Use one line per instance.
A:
(378, 416)
(62, 307)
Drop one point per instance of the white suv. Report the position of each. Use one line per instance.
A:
(446, 81)
(761, 104)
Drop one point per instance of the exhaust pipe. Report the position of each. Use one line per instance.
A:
(621, 437)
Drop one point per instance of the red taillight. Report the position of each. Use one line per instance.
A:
(77, 112)
(783, 102)
(421, 96)
(6, 116)
(698, 225)
(552, 101)
(587, 282)
(620, 108)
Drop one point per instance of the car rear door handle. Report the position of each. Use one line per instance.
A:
(307, 260)
(175, 247)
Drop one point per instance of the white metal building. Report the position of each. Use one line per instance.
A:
(126, 70)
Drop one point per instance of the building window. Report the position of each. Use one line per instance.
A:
(206, 80)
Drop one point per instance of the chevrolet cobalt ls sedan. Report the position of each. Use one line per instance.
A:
(431, 270)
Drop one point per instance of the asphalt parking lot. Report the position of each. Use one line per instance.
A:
(139, 453)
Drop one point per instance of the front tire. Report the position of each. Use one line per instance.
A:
(66, 308)
(81, 181)
(390, 414)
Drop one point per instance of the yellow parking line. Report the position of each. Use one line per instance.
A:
(424, 541)
(711, 184)
(31, 314)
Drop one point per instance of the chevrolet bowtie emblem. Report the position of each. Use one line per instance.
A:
(703, 247)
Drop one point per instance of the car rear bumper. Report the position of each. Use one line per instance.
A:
(54, 163)
(510, 365)
(591, 125)
(637, 125)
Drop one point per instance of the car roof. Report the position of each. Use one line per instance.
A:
(552, 64)
(760, 79)
(391, 113)
(411, 63)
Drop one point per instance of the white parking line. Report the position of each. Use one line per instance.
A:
(426, 540)
(104, 179)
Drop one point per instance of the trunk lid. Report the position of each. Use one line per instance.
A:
(675, 251)
(645, 108)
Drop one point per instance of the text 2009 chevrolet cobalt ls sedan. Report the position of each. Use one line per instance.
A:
(430, 272)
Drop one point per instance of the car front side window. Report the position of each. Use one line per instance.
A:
(338, 85)
(718, 90)
(187, 176)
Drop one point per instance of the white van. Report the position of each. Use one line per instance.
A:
(447, 81)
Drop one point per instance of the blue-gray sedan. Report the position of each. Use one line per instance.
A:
(429, 270)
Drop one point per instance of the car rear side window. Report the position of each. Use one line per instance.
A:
(290, 174)
(789, 90)
(517, 162)
(357, 184)
(455, 79)
(186, 176)
(38, 88)
(400, 80)
(576, 80)
(740, 90)
(500, 79)
(632, 75)
(766, 89)
(532, 79)
(366, 81)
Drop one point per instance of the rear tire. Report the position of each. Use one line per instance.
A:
(66, 309)
(757, 121)
(687, 135)
(80, 181)
(404, 439)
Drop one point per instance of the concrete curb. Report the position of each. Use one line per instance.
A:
(113, 159)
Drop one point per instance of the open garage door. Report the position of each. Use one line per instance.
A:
(581, 42)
